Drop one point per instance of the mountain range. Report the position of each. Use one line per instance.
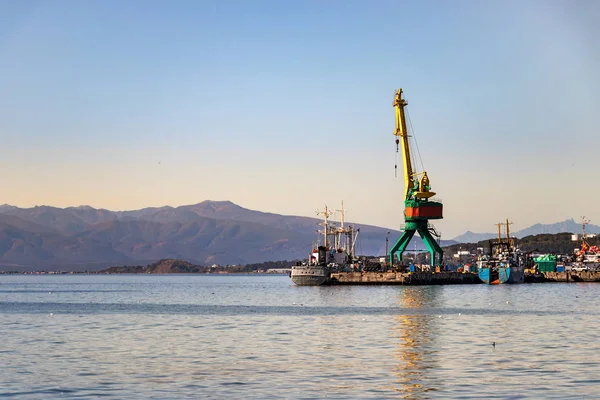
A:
(221, 232)
(568, 225)
(210, 232)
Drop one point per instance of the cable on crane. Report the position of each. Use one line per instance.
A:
(396, 159)
(415, 140)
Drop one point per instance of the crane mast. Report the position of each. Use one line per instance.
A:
(418, 208)
(420, 189)
(402, 132)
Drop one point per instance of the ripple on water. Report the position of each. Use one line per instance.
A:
(171, 337)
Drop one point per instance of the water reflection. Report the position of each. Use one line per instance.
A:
(417, 349)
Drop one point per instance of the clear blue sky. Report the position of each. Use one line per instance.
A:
(286, 106)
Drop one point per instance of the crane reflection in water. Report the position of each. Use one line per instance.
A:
(417, 350)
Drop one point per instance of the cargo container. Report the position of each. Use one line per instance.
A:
(546, 263)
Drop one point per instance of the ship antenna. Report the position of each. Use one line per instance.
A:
(499, 224)
(342, 212)
(584, 222)
(341, 230)
(508, 232)
(326, 214)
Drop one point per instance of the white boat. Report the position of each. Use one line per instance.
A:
(587, 257)
(335, 254)
(310, 275)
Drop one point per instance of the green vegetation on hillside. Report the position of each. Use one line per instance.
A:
(559, 243)
(173, 266)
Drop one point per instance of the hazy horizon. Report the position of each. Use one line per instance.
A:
(285, 107)
(335, 217)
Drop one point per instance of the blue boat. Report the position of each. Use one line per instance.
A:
(492, 272)
(506, 264)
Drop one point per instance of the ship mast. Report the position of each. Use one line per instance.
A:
(342, 211)
(499, 224)
(326, 214)
(508, 240)
(342, 240)
(584, 222)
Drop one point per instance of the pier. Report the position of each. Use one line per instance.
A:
(450, 278)
(567, 276)
(403, 278)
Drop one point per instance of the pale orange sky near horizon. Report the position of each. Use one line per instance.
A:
(290, 111)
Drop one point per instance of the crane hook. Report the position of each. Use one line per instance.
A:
(396, 159)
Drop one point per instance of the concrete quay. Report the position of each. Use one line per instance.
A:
(403, 278)
(450, 278)
(567, 276)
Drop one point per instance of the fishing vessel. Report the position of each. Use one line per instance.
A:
(336, 253)
(305, 274)
(587, 257)
(506, 264)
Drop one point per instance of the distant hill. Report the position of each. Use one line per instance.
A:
(472, 237)
(569, 225)
(6, 207)
(555, 243)
(167, 266)
(211, 232)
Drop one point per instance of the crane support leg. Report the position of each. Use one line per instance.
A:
(401, 244)
(433, 247)
(422, 228)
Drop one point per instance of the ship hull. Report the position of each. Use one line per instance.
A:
(494, 276)
(307, 275)
(517, 275)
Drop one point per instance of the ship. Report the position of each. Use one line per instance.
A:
(314, 272)
(336, 253)
(506, 264)
(587, 257)
(492, 271)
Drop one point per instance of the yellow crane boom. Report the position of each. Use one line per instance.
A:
(420, 191)
(418, 208)
(402, 132)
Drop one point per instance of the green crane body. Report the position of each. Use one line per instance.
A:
(418, 208)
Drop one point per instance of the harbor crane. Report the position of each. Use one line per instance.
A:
(419, 207)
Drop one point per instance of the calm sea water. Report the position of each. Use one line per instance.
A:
(202, 336)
